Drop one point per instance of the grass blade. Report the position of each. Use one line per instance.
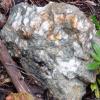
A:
(93, 66)
(96, 48)
(95, 57)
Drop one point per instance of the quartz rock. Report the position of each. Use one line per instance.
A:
(55, 41)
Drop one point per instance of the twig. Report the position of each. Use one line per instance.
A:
(12, 70)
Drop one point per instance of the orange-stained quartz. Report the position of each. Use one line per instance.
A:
(45, 16)
(50, 36)
(73, 20)
(24, 34)
(58, 36)
(51, 26)
(54, 37)
(60, 18)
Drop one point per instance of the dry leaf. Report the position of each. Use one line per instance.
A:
(20, 96)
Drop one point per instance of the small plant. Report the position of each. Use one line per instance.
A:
(95, 64)
(95, 88)
(97, 24)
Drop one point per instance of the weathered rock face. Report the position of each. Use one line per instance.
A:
(54, 41)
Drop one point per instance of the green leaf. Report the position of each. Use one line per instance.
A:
(96, 48)
(94, 19)
(97, 25)
(97, 93)
(93, 66)
(95, 57)
(96, 22)
(98, 80)
(98, 32)
(93, 86)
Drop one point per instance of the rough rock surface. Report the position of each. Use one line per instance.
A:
(2, 20)
(54, 41)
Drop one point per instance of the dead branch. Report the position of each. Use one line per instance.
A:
(12, 70)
